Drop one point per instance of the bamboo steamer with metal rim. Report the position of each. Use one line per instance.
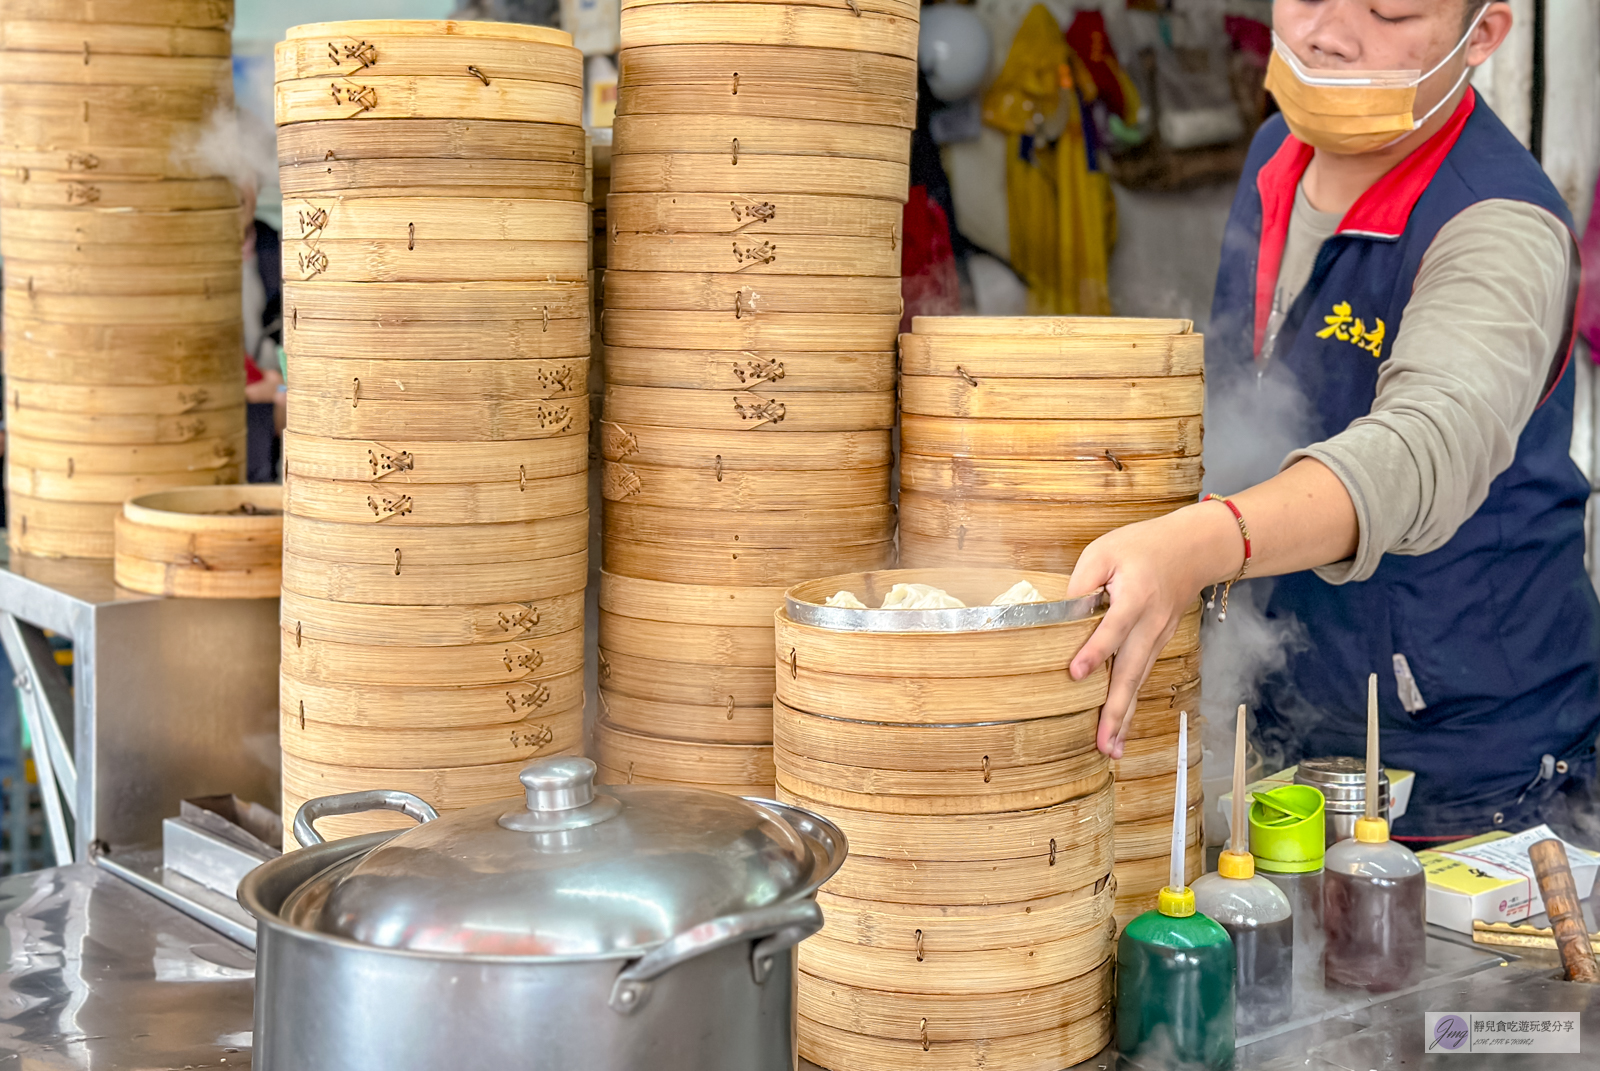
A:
(728, 724)
(686, 761)
(714, 687)
(427, 708)
(540, 734)
(753, 213)
(441, 625)
(221, 542)
(669, 447)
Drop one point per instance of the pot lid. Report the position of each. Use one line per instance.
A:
(574, 872)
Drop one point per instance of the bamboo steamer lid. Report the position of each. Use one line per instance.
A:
(1138, 479)
(434, 585)
(728, 724)
(1147, 756)
(749, 567)
(187, 580)
(1051, 440)
(87, 68)
(430, 139)
(1140, 800)
(1004, 520)
(903, 699)
(250, 515)
(1063, 1045)
(984, 747)
(742, 136)
(460, 303)
(745, 411)
(1153, 838)
(434, 667)
(748, 213)
(731, 529)
(681, 760)
(112, 275)
(403, 461)
(713, 645)
(88, 458)
(725, 330)
(165, 400)
(49, 33)
(465, 544)
(530, 738)
(211, 229)
(366, 94)
(755, 255)
(698, 604)
(1113, 355)
(444, 787)
(398, 260)
(206, 14)
(713, 173)
(950, 1016)
(383, 381)
(734, 489)
(667, 447)
(682, 683)
(110, 487)
(126, 429)
(220, 307)
(793, 25)
(859, 294)
(425, 505)
(1043, 399)
(341, 53)
(355, 414)
(423, 221)
(160, 194)
(140, 354)
(434, 625)
(428, 708)
(609, 776)
(765, 98)
(450, 177)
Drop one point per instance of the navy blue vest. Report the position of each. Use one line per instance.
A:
(1500, 627)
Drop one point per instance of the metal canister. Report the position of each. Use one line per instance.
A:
(1343, 782)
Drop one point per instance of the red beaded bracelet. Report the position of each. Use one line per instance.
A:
(1244, 530)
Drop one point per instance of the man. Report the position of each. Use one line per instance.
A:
(1396, 256)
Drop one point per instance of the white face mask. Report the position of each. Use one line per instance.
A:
(1354, 111)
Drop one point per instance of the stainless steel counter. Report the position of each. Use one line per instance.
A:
(100, 976)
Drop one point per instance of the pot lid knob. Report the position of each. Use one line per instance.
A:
(561, 796)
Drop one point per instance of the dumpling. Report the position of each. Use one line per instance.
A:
(845, 600)
(920, 597)
(1019, 593)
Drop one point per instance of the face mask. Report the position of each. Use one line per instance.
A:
(1353, 111)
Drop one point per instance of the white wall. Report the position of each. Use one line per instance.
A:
(256, 21)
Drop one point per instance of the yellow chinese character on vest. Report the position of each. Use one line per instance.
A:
(1345, 326)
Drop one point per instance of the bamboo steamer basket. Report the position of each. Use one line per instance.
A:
(1157, 479)
(1043, 399)
(127, 429)
(651, 680)
(366, 381)
(428, 708)
(682, 760)
(765, 98)
(434, 504)
(609, 776)
(667, 447)
(1169, 674)
(49, 33)
(903, 8)
(364, 94)
(356, 415)
(53, 114)
(110, 488)
(1151, 797)
(102, 267)
(213, 229)
(426, 221)
(168, 399)
(88, 458)
(433, 667)
(205, 14)
(332, 50)
(467, 544)
(1132, 904)
(403, 461)
(793, 25)
(430, 585)
(1152, 838)
(446, 788)
(86, 518)
(138, 354)
(434, 625)
(746, 213)
(1145, 757)
(122, 309)
(984, 747)
(197, 538)
(402, 260)
(785, 256)
(975, 927)
(32, 534)
(530, 738)
(1051, 440)
(727, 645)
(188, 580)
(159, 194)
(89, 69)
(1023, 521)
(728, 724)
(1157, 715)
(881, 1013)
(936, 700)
(399, 338)
(793, 291)
(742, 70)
(1114, 355)
(731, 529)
(690, 604)
(1136, 876)
(721, 173)
(430, 139)
(727, 330)
(110, 162)
(414, 177)
(742, 136)
(741, 411)
(1063, 1045)
(1046, 326)
(927, 552)
(747, 567)
(733, 489)
(547, 304)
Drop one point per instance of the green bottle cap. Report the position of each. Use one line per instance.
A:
(1287, 831)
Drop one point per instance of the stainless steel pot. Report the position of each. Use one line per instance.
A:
(635, 928)
(1343, 782)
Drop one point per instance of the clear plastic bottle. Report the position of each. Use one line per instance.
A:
(1374, 910)
(1259, 919)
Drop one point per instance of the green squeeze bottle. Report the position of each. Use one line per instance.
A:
(1176, 971)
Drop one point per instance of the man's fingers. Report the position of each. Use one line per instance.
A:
(1128, 672)
(1090, 572)
(1108, 638)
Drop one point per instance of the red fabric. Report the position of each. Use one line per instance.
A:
(1087, 37)
(252, 374)
(1386, 207)
(1589, 291)
(928, 282)
(1276, 182)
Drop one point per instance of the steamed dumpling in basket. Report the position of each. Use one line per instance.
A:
(1019, 593)
(920, 597)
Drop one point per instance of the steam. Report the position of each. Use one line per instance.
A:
(234, 144)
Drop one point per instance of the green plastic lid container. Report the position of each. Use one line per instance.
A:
(1287, 831)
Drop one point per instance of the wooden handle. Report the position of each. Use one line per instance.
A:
(1565, 908)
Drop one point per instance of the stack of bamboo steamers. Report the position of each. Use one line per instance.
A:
(123, 344)
(971, 925)
(436, 314)
(752, 294)
(1023, 441)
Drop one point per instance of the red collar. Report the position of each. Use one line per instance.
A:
(1381, 213)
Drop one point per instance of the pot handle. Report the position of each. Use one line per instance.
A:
(774, 929)
(373, 799)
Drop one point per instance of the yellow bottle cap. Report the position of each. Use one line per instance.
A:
(1176, 903)
(1372, 830)
(1231, 864)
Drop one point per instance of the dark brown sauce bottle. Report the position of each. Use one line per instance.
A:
(1376, 924)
